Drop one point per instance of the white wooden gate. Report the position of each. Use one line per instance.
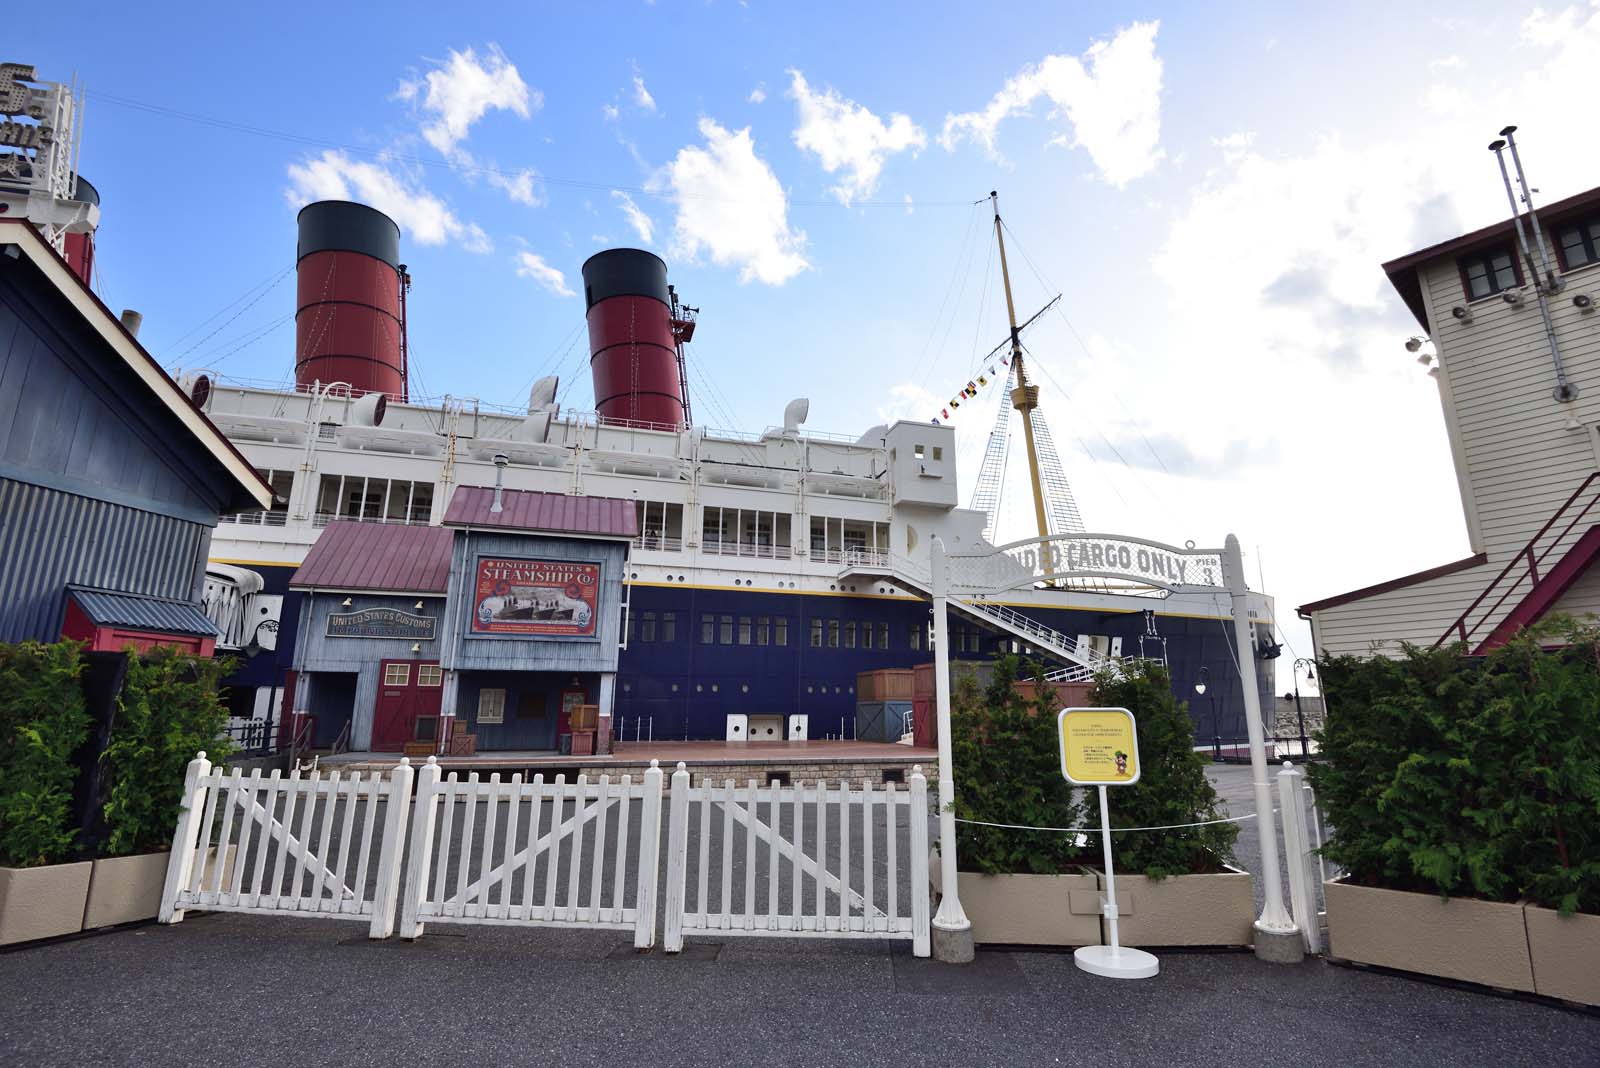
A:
(551, 893)
(324, 838)
(824, 898)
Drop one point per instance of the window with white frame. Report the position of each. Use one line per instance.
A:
(492, 706)
(397, 674)
(430, 676)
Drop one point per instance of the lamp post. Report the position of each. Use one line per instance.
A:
(952, 931)
(1202, 681)
(1277, 936)
(1300, 716)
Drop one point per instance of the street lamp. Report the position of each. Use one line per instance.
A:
(1201, 682)
(1300, 716)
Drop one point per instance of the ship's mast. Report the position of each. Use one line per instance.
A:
(1025, 398)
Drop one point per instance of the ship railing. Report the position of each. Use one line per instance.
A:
(853, 557)
(717, 547)
(658, 543)
(257, 518)
(322, 519)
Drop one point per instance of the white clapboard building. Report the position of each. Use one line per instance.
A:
(1510, 310)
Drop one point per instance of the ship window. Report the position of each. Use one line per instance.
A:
(833, 634)
(866, 635)
(883, 635)
(669, 626)
(1488, 273)
(816, 634)
(938, 452)
(780, 630)
(708, 629)
(916, 638)
(727, 630)
(917, 451)
(850, 634)
(744, 630)
(647, 627)
(660, 525)
(1580, 244)
(763, 628)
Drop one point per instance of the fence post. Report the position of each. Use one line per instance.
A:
(678, 859)
(394, 836)
(644, 922)
(417, 869)
(920, 946)
(1302, 894)
(180, 863)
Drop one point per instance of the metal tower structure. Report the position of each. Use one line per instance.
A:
(991, 476)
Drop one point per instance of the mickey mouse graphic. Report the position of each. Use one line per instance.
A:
(1122, 762)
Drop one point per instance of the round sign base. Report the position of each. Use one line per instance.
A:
(1117, 962)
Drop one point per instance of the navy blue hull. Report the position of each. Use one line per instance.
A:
(672, 683)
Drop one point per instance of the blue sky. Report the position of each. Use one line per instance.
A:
(1212, 188)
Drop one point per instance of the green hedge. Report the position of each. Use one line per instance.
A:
(1008, 770)
(1469, 776)
(168, 710)
(42, 723)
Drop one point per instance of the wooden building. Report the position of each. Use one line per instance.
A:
(111, 480)
(494, 627)
(1518, 351)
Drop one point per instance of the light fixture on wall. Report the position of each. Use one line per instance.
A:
(1584, 303)
(345, 603)
(417, 606)
(1462, 314)
(1512, 297)
(1414, 343)
(416, 647)
(1201, 680)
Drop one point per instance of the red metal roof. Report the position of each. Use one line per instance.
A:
(555, 513)
(377, 556)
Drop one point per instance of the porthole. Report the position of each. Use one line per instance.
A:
(714, 687)
(810, 689)
(674, 687)
(744, 688)
(698, 687)
(627, 687)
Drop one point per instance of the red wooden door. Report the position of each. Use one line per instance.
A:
(407, 690)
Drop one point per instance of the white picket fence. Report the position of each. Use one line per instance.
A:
(531, 846)
(824, 900)
(256, 847)
(560, 854)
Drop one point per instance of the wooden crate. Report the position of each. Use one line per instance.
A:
(885, 684)
(584, 718)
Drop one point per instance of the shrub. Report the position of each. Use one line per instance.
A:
(168, 710)
(1466, 776)
(1172, 786)
(42, 723)
(1007, 770)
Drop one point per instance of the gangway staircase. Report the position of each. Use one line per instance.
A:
(1080, 661)
(1531, 583)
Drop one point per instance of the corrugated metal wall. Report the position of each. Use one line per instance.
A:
(49, 538)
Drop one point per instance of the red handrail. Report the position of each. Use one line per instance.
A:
(1459, 627)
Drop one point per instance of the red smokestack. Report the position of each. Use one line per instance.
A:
(632, 354)
(348, 323)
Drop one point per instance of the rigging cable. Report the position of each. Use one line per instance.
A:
(1039, 275)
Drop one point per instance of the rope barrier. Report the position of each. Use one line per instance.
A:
(1114, 830)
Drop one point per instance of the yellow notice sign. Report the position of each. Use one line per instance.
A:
(1099, 746)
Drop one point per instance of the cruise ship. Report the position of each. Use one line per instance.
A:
(769, 570)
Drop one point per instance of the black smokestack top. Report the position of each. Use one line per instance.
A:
(624, 272)
(345, 226)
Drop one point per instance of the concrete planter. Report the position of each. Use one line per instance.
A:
(1475, 941)
(1028, 910)
(1181, 910)
(43, 902)
(125, 889)
(1566, 954)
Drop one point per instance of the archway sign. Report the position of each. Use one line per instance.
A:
(1142, 566)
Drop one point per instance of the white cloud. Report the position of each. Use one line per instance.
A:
(610, 111)
(464, 89)
(1445, 63)
(532, 265)
(523, 186)
(1111, 98)
(758, 94)
(844, 136)
(731, 206)
(424, 217)
(641, 223)
(641, 95)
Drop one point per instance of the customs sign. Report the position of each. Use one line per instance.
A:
(552, 598)
(382, 623)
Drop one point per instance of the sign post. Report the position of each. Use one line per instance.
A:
(1100, 747)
